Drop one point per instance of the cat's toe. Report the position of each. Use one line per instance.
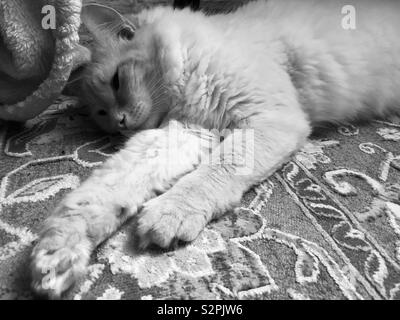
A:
(162, 224)
(55, 268)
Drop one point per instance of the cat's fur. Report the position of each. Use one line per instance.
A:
(276, 68)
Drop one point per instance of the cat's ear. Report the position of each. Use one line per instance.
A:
(101, 20)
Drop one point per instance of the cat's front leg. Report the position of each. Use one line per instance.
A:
(245, 158)
(151, 162)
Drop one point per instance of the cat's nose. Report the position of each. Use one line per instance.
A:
(122, 121)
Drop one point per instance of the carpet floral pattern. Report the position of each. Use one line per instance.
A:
(325, 226)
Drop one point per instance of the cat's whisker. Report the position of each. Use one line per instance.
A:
(155, 83)
(75, 80)
(159, 100)
(157, 95)
(160, 108)
(155, 113)
(109, 27)
(157, 106)
(112, 27)
(155, 87)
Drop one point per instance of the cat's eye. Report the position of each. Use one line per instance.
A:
(126, 33)
(102, 113)
(115, 81)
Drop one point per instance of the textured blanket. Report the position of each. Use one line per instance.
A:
(35, 62)
(325, 226)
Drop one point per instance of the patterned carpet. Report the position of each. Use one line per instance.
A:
(325, 226)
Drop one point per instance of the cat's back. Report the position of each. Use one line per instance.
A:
(334, 68)
(344, 60)
(301, 24)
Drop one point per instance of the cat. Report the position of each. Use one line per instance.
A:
(272, 68)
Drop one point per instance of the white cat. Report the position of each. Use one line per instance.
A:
(276, 68)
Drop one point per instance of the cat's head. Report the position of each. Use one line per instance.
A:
(121, 84)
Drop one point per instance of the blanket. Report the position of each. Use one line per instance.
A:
(36, 57)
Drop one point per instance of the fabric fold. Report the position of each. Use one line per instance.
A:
(35, 63)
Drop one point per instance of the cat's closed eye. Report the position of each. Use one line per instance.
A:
(115, 82)
(102, 113)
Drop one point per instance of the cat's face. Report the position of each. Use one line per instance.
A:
(120, 83)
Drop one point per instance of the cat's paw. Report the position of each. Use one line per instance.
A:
(163, 222)
(57, 261)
